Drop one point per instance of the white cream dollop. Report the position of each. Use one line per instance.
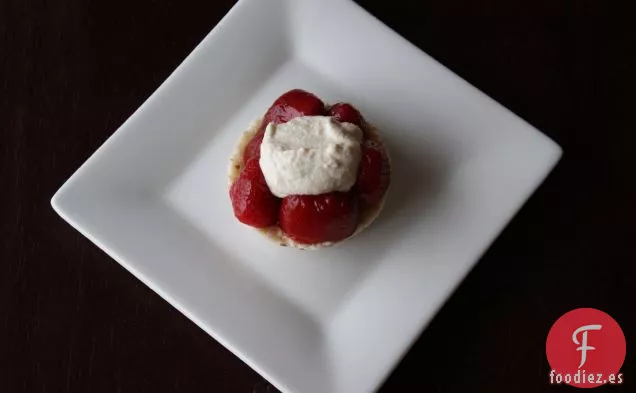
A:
(310, 155)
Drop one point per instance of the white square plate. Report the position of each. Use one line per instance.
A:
(154, 196)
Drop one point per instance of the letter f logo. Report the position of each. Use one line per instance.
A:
(584, 347)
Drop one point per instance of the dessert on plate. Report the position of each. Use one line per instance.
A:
(309, 175)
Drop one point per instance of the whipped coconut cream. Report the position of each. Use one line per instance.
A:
(310, 155)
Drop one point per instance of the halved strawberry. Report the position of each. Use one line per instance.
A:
(294, 103)
(311, 219)
(252, 201)
(346, 113)
(374, 174)
(253, 148)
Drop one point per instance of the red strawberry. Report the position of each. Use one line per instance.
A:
(252, 201)
(346, 113)
(253, 148)
(294, 103)
(374, 173)
(311, 219)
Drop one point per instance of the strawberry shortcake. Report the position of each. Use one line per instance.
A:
(309, 175)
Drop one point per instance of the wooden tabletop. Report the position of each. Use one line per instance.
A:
(73, 320)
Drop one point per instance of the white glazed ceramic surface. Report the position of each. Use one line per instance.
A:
(154, 196)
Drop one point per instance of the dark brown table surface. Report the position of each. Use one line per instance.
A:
(73, 320)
